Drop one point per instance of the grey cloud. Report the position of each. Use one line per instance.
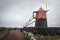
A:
(22, 10)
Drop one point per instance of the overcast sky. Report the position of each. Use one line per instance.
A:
(14, 13)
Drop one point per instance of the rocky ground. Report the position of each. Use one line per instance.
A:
(31, 36)
(41, 37)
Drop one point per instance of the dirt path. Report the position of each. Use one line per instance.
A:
(14, 35)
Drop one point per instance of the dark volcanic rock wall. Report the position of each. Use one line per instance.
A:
(43, 31)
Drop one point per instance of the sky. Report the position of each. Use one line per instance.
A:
(14, 13)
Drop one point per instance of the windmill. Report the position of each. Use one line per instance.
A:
(40, 16)
(41, 20)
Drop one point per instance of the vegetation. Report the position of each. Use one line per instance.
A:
(41, 37)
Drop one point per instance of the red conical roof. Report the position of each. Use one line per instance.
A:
(41, 14)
